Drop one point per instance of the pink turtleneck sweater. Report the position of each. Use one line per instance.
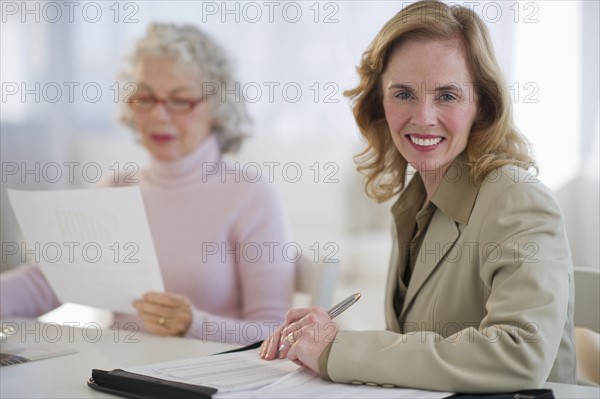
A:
(219, 242)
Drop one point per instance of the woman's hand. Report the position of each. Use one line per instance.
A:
(302, 339)
(165, 313)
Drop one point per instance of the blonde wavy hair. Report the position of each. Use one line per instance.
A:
(494, 141)
(190, 47)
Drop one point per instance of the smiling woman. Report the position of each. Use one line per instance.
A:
(479, 295)
(429, 122)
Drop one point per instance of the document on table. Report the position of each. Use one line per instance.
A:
(245, 375)
(305, 383)
(229, 372)
(94, 246)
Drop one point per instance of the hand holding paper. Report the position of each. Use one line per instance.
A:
(165, 313)
(94, 246)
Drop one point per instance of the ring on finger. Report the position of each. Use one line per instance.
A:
(290, 339)
(161, 321)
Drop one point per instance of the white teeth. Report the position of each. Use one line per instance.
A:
(425, 142)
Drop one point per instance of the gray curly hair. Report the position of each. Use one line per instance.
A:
(191, 47)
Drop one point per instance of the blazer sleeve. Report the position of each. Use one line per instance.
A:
(516, 343)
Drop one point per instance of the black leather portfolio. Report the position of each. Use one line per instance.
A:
(136, 386)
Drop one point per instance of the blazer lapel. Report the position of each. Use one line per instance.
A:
(439, 239)
(403, 209)
(454, 198)
(391, 317)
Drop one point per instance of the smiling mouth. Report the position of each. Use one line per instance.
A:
(425, 142)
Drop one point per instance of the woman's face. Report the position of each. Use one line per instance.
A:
(429, 101)
(171, 134)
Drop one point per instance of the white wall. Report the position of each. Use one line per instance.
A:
(561, 64)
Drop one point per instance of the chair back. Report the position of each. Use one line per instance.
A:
(587, 298)
(587, 325)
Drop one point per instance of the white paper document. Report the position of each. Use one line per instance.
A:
(245, 375)
(94, 246)
(229, 372)
(304, 383)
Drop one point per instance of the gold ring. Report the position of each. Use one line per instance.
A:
(290, 339)
(161, 321)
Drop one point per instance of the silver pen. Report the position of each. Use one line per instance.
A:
(342, 306)
(336, 310)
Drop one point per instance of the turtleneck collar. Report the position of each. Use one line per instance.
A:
(185, 169)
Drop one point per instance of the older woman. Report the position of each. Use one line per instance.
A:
(203, 219)
(479, 293)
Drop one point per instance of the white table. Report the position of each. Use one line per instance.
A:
(66, 376)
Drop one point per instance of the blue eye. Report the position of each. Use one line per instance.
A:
(404, 96)
(448, 97)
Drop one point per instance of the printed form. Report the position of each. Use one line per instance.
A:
(245, 375)
(94, 246)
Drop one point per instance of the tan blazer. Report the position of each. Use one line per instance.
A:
(489, 306)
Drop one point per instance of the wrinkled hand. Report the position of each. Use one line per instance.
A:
(302, 339)
(165, 313)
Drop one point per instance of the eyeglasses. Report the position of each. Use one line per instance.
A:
(173, 105)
